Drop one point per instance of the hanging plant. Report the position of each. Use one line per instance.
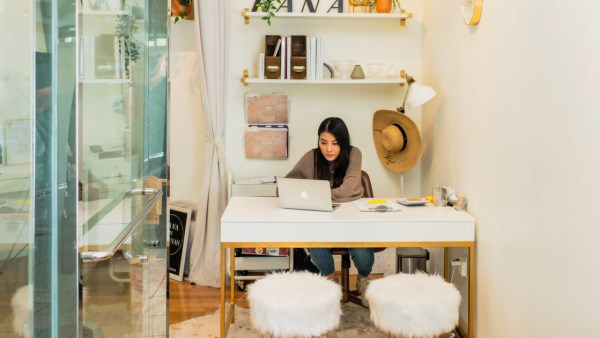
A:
(268, 7)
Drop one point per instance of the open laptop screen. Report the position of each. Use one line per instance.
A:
(304, 194)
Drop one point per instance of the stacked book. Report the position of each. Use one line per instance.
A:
(295, 57)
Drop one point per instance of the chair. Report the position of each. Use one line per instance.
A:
(347, 295)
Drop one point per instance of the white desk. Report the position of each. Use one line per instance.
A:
(259, 222)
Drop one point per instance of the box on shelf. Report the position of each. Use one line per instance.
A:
(298, 57)
(273, 57)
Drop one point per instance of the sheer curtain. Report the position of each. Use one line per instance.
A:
(211, 38)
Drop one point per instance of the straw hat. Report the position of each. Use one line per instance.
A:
(396, 139)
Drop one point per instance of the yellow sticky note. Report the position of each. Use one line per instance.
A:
(377, 201)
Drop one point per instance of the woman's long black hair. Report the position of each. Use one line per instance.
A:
(335, 172)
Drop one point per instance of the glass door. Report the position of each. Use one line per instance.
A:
(82, 168)
(122, 167)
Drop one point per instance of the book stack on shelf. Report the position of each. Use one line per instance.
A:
(295, 57)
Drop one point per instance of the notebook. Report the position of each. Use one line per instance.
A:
(305, 194)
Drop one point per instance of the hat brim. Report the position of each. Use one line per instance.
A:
(405, 159)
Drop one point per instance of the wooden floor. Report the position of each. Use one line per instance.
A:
(187, 301)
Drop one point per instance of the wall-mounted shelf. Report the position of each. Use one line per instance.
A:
(247, 14)
(246, 80)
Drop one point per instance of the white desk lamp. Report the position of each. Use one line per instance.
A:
(415, 94)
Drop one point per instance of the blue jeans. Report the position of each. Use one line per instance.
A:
(363, 259)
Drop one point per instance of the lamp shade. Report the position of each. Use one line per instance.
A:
(418, 95)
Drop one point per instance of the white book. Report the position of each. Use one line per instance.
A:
(309, 67)
(261, 65)
(277, 47)
(288, 57)
(282, 58)
(319, 63)
(313, 57)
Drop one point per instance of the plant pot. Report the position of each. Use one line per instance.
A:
(383, 6)
(177, 9)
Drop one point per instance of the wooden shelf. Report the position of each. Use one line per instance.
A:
(246, 80)
(247, 14)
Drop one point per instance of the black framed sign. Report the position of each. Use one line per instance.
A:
(179, 223)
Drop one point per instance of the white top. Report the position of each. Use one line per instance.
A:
(260, 219)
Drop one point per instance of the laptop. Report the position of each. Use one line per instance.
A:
(295, 193)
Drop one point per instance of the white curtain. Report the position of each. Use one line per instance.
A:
(211, 37)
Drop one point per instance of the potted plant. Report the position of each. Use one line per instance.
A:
(381, 6)
(182, 9)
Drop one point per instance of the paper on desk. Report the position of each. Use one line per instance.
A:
(256, 180)
(376, 204)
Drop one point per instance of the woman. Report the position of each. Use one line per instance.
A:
(337, 161)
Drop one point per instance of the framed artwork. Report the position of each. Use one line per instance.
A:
(179, 226)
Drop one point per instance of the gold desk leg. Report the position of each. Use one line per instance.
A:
(471, 288)
(446, 259)
(232, 283)
(223, 276)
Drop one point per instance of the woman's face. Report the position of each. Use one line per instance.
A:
(329, 146)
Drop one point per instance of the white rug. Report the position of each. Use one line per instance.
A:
(355, 322)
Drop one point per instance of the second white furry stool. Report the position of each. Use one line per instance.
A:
(413, 305)
(294, 304)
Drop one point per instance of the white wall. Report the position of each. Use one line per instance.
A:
(310, 104)
(514, 128)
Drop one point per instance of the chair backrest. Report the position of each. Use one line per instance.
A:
(365, 180)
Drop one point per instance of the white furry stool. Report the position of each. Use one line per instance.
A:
(413, 305)
(294, 304)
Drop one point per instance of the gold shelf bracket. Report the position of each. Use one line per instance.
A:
(402, 75)
(245, 15)
(244, 77)
(403, 20)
